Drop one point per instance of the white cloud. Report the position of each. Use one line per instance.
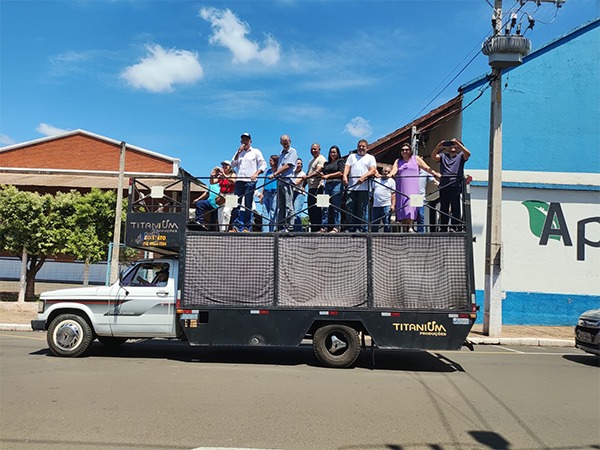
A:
(335, 84)
(236, 104)
(6, 140)
(68, 63)
(161, 69)
(49, 130)
(359, 127)
(230, 32)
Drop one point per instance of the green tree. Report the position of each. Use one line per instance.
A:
(90, 227)
(34, 226)
(31, 228)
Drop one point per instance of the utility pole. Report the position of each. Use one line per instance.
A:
(492, 316)
(504, 50)
(114, 261)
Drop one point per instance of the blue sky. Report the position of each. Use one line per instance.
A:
(186, 78)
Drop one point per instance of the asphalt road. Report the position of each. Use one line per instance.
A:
(167, 395)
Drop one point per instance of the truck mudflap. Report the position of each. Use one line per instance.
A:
(38, 325)
(425, 330)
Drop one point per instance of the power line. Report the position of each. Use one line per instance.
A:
(446, 87)
(477, 47)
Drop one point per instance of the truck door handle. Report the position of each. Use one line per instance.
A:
(162, 293)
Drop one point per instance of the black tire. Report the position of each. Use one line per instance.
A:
(111, 341)
(69, 335)
(336, 345)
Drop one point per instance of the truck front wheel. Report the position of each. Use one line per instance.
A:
(336, 345)
(69, 335)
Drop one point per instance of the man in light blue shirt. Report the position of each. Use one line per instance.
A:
(285, 182)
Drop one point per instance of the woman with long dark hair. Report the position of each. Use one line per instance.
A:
(332, 173)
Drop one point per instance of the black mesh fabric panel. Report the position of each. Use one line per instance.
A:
(322, 270)
(419, 272)
(229, 270)
(330, 271)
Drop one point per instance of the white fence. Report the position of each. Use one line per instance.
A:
(54, 271)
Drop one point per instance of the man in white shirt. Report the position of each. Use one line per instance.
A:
(315, 186)
(359, 168)
(249, 164)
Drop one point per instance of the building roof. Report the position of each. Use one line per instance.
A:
(78, 159)
(80, 151)
(386, 149)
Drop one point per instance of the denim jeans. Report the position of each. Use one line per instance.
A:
(299, 200)
(269, 203)
(450, 206)
(333, 213)
(380, 214)
(421, 219)
(357, 205)
(315, 214)
(242, 216)
(202, 207)
(285, 204)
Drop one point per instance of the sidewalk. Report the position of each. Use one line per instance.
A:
(17, 317)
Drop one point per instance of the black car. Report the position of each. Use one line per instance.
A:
(586, 332)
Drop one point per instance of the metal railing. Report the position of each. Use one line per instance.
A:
(434, 218)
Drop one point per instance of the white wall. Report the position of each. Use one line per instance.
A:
(529, 266)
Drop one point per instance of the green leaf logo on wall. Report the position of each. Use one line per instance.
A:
(538, 211)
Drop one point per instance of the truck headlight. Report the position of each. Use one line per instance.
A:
(41, 306)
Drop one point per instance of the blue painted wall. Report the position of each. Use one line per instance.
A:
(551, 123)
(530, 308)
(551, 108)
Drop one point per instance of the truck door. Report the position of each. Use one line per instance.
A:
(145, 305)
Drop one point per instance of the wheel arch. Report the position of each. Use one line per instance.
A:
(82, 312)
(356, 324)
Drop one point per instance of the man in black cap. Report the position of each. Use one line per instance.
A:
(250, 163)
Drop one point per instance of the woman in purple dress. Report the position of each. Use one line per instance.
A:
(406, 171)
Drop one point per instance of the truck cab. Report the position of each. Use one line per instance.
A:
(141, 304)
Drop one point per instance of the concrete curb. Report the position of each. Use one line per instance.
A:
(15, 327)
(478, 340)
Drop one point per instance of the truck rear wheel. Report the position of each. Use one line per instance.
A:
(69, 335)
(336, 345)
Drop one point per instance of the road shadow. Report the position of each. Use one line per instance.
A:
(584, 359)
(405, 360)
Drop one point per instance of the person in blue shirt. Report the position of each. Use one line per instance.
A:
(207, 201)
(268, 196)
(452, 156)
(285, 183)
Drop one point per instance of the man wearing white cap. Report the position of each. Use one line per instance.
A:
(250, 163)
(227, 183)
